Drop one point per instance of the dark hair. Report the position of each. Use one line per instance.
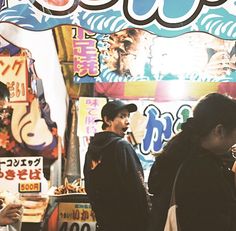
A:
(211, 110)
(112, 108)
(109, 117)
(4, 92)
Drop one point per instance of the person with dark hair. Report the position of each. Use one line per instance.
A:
(114, 175)
(205, 191)
(10, 213)
(4, 109)
(4, 94)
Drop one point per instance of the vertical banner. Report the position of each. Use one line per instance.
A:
(85, 53)
(89, 111)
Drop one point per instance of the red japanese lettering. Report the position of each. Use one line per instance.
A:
(35, 174)
(22, 174)
(10, 174)
(17, 65)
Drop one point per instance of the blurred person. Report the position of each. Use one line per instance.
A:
(9, 214)
(4, 95)
(114, 175)
(5, 114)
(205, 191)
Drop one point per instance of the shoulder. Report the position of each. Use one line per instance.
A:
(203, 161)
(202, 168)
(123, 144)
(125, 151)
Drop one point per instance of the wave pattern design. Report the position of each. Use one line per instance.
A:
(28, 17)
(218, 22)
(108, 22)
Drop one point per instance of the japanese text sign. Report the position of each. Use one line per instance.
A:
(164, 120)
(76, 216)
(21, 174)
(13, 72)
(85, 53)
(89, 111)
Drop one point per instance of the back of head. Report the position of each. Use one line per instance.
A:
(214, 109)
(211, 110)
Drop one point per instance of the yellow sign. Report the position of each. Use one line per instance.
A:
(29, 187)
(76, 212)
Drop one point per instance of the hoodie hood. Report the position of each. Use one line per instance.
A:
(97, 147)
(101, 140)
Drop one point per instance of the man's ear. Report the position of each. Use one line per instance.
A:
(219, 131)
(107, 120)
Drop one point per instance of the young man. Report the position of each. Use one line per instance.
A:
(114, 175)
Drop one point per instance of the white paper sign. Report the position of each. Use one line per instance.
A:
(21, 174)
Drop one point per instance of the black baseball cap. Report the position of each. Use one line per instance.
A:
(112, 108)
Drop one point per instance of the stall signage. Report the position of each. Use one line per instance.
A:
(89, 110)
(76, 217)
(162, 125)
(21, 174)
(13, 72)
(85, 53)
(164, 120)
(165, 18)
(137, 55)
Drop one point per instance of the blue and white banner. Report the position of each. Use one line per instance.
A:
(169, 18)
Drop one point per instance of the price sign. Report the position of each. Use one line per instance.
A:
(76, 217)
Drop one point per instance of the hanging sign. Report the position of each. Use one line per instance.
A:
(164, 18)
(137, 55)
(21, 174)
(14, 73)
(89, 111)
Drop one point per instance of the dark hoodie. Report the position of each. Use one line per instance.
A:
(115, 186)
(205, 193)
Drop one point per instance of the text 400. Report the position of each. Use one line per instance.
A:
(75, 227)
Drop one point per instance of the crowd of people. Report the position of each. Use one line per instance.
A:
(114, 181)
(205, 189)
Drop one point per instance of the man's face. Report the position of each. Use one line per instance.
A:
(120, 123)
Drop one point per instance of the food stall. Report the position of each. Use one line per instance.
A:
(161, 59)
